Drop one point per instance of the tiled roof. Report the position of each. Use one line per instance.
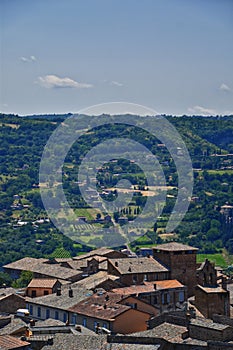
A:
(15, 325)
(137, 265)
(63, 302)
(41, 267)
(74, 342)
(90, 342)
(174, 246)
(212, 289)
(49, 322)
(7, 342)
(94, 280)
(7, 291)
(100, 251)
(207, 323)
(77, 264)
(148, 287)
(42, 283)
(167, 331)
(100, 307)
(166, 284)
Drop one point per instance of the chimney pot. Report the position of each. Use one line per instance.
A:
(71, 293)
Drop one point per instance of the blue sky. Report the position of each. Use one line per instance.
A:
(58, 56)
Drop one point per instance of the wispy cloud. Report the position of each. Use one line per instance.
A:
(202, 110)
(224, 87)
(116, 83)
(28, 59)
(53, 81)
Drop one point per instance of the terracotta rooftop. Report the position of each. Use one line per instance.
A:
(217, 289)
(101, 306)
(7, 342)
(42, 283)
(165, 284)
(174, 246)
(137, 265)
(148, 287)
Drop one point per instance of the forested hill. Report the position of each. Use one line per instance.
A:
(25, 228)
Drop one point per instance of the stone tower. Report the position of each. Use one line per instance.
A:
(180, 259)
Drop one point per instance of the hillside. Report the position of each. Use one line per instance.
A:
(25, 228)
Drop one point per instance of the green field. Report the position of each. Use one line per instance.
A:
(218, 259)
(89, 213)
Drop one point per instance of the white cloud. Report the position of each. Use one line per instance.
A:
(202, 110)
(28, 59)
(224, 87)
(53, 81)
(116, 83)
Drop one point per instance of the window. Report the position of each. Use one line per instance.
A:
(181, 296)
(39, 311)
(64, 317)
(74, 319)
(155, 300)
(145, 278)
(33, 293)
(47, 313)
(165, 298)
(46, 292)
(105, 325)
(31, 309)
(135, 278)
(84, 322)
(56, 315)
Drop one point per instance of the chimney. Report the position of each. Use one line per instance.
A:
(32, 323)
(71, 293)
(58, 292)
(116, 263)
(78, 329)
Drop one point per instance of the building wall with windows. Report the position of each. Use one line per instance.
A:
(40, 312)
